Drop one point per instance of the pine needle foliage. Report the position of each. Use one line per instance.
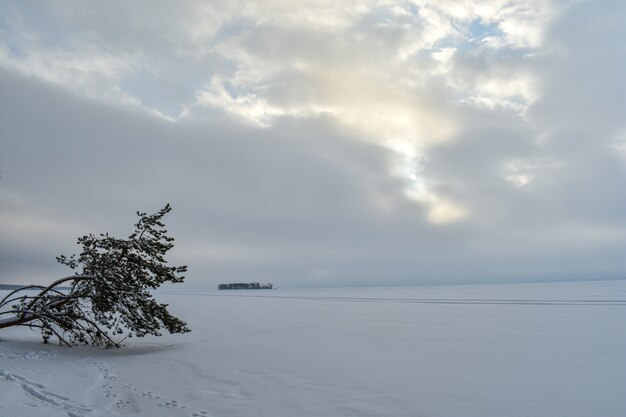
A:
(110, 296)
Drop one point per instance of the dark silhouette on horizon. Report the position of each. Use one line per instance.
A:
(245, 286)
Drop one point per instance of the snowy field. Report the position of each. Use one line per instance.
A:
(491, 350)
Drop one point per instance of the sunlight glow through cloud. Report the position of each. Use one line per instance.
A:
(311, 140)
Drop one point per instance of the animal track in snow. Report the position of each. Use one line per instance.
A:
(29, 356)
(123, 397)
(41, 393)
(122, 403)
(202, 413)
(172, 404)
(150, 395)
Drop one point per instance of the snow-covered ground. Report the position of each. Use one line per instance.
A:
(490, 350)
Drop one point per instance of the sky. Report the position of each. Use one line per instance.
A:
(319, 143)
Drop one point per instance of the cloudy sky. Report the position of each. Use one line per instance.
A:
(319, 142)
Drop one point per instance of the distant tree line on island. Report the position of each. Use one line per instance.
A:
(245, 286)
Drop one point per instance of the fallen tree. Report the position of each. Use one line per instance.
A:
(110, 299)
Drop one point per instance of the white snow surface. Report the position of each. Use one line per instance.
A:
(485, 350)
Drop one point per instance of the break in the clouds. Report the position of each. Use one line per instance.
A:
(323, 143)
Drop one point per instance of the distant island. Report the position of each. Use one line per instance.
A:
(245, 286)
(10, 286)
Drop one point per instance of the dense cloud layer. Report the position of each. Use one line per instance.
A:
(381, 143)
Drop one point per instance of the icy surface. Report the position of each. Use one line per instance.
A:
(489, 350)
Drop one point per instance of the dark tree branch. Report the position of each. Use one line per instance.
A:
(110, 297)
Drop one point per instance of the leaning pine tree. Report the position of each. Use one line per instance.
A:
(110, 298)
